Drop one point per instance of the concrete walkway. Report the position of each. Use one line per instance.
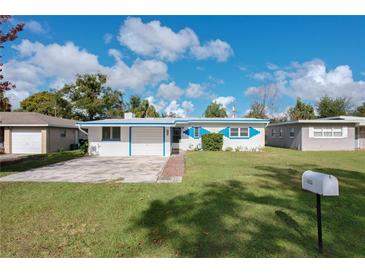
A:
(96, 169)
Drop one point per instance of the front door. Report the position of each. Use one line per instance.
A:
(176, 136)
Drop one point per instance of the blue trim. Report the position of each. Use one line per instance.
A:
(191, 132)
(163, 140)
(173, 123)
(130, 141)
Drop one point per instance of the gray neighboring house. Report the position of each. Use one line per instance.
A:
(35, 133)
(334, 133)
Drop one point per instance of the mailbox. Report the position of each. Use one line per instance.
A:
(320, 183)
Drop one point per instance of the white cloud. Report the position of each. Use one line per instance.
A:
(187, 106)
(242, 68)
(311, 80)
(180, 111)
(224, 101)
(195, 90)
(262, 76)
(153, 39)
(216, 49)
(169, 91)
(35, 27)
(272, 66)
(38, 65)
(108, 37)
(216, 81)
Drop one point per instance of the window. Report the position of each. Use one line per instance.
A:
(337, 132)
(238, 132)
(63, 132)
(196, 132)
(327, 132)
(318, 132)
(281, 133)
(244, 131)
(233, 132)
(273, 132)
(292, 133)
(111, 134)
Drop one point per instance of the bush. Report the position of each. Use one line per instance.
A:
(212, 141)
(229, 149)
(84, 146)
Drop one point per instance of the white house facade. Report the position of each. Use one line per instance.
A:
(162, 136)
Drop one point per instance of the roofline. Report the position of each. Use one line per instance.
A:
(35, 125)
(177, 121)
(313, 122)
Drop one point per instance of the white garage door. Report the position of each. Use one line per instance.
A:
(147, 141)
(26, 141)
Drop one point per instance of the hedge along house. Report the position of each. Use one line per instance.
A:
(162, 136)
(332, 133)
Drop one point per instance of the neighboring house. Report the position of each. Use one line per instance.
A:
(334, 133)
(161, 136)
(33, 133)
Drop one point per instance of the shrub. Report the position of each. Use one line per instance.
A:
(229, 149)
(84, 146)
(212, 141)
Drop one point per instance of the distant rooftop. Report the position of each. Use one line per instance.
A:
(34, 119)
(329, 120)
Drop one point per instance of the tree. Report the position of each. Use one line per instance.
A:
(265, 96)
(257, 110)
(215, 110)
(360, 110)
(90, 99)
(48, 103)
(301, 111)
(10, 35)
(141, 108)
(329, 107)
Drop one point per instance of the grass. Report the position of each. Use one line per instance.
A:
(39, 160)
(230, 204)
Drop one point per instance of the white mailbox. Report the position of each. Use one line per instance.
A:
(320, 183)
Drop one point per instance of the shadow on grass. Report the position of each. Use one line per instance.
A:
(233, 219)
(223, 221)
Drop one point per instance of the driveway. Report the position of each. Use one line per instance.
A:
(96, 169)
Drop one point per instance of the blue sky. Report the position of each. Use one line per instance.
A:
(182, 63)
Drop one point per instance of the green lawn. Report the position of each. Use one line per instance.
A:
(230, 204)
(39, 160)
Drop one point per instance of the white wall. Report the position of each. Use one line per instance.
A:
(108, 148)
(255, 142)
(115, 148)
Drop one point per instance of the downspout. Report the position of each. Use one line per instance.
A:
(83, 131)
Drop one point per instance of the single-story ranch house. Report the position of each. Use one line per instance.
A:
(161, 136)
(334, 133)
(35, 133)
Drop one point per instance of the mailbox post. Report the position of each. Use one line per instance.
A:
(321, 184)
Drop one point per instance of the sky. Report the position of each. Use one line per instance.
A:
(183, 63)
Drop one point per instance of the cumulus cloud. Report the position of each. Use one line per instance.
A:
(153, 39)
(36, 27)
(312, 79)
(272, 66)
(262, 76)
(195, 90)
(54, 64)
(225, 101)
(217, 49)
(169, 91)
(179, 111)
(108, 37)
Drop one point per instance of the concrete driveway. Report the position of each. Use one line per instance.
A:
(96, 169)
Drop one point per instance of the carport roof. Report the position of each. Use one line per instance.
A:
(34, 119)
(168, 121)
